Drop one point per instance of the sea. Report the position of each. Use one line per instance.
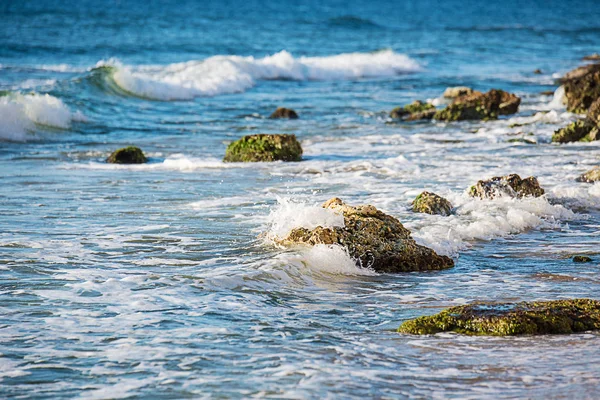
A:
(163, 280)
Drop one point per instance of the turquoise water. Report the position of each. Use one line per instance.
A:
(161, 280)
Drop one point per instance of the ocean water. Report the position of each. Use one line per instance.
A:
(162, 280)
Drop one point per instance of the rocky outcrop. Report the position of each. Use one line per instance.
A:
(431, 203)
(591, 176)
(457, 91)
(262, 147)
(582, 259)
(581, 130)
(127, 155)
(525, 318)
(582, 87)
(592, 57)
(414, 111)
(373, 238)
(283, 112)
(593, 114)
(480, 106)
(510, 185)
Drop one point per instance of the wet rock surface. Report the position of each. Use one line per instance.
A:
(414, 111)
(525, 318)
(582, 87)
(480, 106)
(283, 113)
(127, 155)
(591, 176)
(581, 130)
(263, 147)
(373, 238)
(431, 203)
(510, 185)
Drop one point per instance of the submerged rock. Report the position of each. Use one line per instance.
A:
(480, 106)
(582, 259)
(283, 112)
(431, 203)
(457, 91)
(373, 239)
(127, 155)
(591, 176)
(262, 147)
(414, 111)
(582, 87)
(581, 130)
(525, 318)
(511, 185)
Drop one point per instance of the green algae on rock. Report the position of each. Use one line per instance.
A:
(373, 238)
(525, 318)
(263, 147)
(510, 185)
(582, 87)
(283, 112)
(127, 155)
(581, 130)
(480, 106)
(591, 176)
(431, 203)
(582, 259)
(414, 111)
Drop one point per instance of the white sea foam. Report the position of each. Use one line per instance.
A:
(558, 100)
(332, 259)
(19, 114)
(232, 74)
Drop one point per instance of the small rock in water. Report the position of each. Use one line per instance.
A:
(480, 106)
(283, 112)
(582, 259)
(592, 57)
(537, 71)
(591, 176)
(127, 155)
(510, 185)
(458, 91)
(414, 111)
(431, 203)
(525, 318)
(262, 147)
(582, 87)
(373, 238)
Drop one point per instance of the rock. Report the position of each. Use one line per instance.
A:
(480, 106)
(373, 239)
(582, 259)
(581, 130)
(591, 176)
(593, 114)
(592, 57)
(511, 185)
(525, 318)
(537, 71)
(457, 91)
(431, 203)
(414, 111)
(547, 93)
(282, 112)
(127, 155)
(254, 148)
(582, 87)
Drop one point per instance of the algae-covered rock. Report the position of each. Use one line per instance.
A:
(414, 111)
(581, 130)
(283, 112)
(582, 259)
(457, 91)
(525, 318)
(582, 87)
(431, 203)
(480, 106)
(127, 155)
(262, 147)
(510, 185)
(591, 176)
(373, 239)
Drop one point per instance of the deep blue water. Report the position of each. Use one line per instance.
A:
(160, 281)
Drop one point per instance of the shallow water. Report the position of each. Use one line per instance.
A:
(161, 281)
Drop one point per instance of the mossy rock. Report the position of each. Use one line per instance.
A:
(263, 147)
(431, 203)
(283, 112)
(457, 91)
(591, 176)
(582, 87)
(372, 238)
(127, 155)
(508, 319)
(480, 106)
(414, 111)
(510, 185)
(581, 130)
(582, 259)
